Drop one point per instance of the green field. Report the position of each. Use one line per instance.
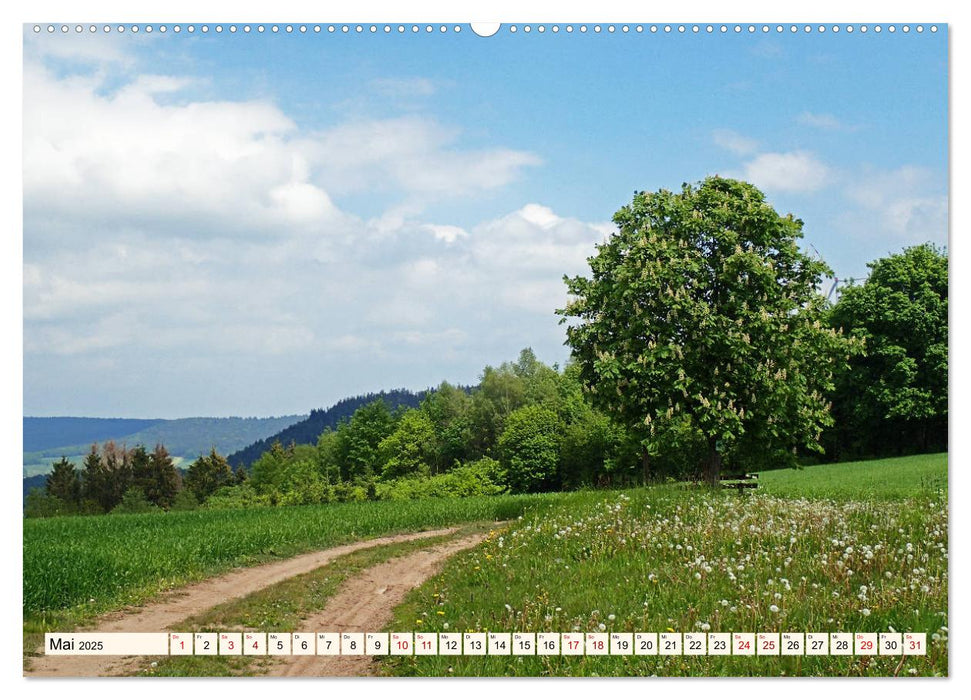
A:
(668, 558)
(901, 477)
(91, 564)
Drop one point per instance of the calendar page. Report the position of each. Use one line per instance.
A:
(438, 349)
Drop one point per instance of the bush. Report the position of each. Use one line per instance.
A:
(134, 501)
(484, 477)
(241, 496)
(184, 500)
(42, 505)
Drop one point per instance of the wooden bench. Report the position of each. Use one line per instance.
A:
(739, 481)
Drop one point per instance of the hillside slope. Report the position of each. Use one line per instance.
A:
(49, 433)
(308, 430)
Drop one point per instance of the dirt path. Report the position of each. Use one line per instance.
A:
(186, 602)
(365, 604)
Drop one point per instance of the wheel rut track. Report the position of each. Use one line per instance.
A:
(176, 606)
(366, 602)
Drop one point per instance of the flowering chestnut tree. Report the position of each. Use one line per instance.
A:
(702, 314)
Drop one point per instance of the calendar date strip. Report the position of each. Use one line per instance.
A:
(486, 644)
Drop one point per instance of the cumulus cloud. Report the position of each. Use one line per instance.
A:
(224, 168)
(184, 324)
(414, 154)
(203, 168)
(904, 204)
(794, 171)
(789, 171)
(820, 121)
(528, 251)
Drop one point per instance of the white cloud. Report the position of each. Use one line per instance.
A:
(414, 154)
(231, 169)
(204, 240)
(528, 251)
(904, 204)
(824, 121)
(540, 216)
(218, 168)
(795, 171)
(446, 234)
(735, 142)
(201, 315)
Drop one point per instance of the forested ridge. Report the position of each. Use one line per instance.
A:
(307, 431)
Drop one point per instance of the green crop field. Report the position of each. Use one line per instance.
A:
(85, 565)
(669, 558)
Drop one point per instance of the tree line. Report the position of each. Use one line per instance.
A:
(116, 479)
(525, 427)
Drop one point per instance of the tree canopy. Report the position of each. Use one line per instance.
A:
(207, 474)
(893, 398)
(702, 317)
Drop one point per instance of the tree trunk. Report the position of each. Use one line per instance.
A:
(646, 466)
(712, 464)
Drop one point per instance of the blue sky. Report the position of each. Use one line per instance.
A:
(262, 224)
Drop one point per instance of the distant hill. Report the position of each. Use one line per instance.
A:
(184, 438)
(34, 482)
(47, 433)
(308, 430)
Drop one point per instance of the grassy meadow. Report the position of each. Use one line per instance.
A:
(876, 479)
(674, 559)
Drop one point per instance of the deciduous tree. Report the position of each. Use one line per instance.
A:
(893, 398)
(702, 309)
(529, 448)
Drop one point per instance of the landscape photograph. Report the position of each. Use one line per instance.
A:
(512, 350)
